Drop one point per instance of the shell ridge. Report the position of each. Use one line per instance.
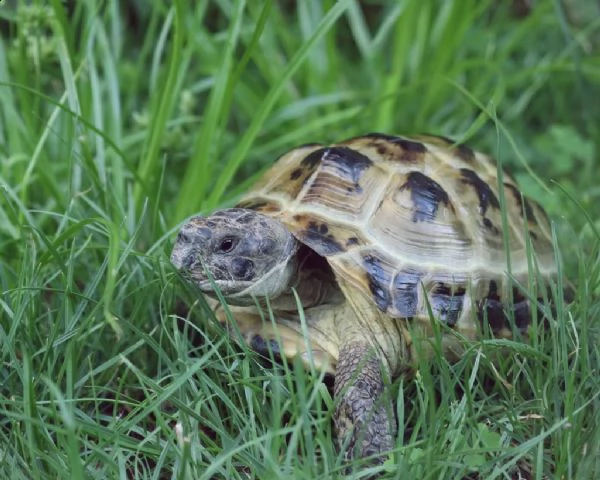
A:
(351, 202)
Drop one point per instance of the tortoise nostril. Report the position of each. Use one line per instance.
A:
(188, 261)
(182, 237)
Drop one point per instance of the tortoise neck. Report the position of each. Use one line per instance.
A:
(314, 283)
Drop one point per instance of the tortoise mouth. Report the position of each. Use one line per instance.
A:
(229, 288)
(242, 292)
(236, 292)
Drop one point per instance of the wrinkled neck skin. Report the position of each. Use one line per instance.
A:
(302, 271)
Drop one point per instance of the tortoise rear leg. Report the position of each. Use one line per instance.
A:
(364, 422)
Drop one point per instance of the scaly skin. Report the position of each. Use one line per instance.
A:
(362, 418)
(274, 262)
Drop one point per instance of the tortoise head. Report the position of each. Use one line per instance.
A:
(247, 254)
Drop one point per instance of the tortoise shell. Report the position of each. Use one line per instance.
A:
(415, 224)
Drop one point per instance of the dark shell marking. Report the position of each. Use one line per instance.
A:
(486, 195)
(296, 174)
(413, 223)
(447, 305)
(520, 200)
(396, 148)
(300, 176)
(352, 241)
(350, 163)
(462, 151)
(409, 146)
(498, 316)
(325, 238)
(341, 162)
(406, 293)
(399, 295)
(426, 195)
(379, 281)
(263, 206)
(318, 234)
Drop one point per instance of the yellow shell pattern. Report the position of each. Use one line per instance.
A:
(413, 223)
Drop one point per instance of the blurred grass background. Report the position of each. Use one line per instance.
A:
(120, 119)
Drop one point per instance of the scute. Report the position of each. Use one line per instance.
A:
(413, 223)
(425, 195)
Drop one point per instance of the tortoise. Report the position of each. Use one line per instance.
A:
(395, 248)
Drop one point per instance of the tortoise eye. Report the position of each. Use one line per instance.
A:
(227, 245)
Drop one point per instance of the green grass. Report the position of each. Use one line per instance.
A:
(119, 119)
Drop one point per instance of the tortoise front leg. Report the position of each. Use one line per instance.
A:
(364, 424)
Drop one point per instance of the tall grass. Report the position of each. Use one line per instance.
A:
(119, 119)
